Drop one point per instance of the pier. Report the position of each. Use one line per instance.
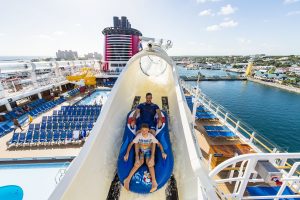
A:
(215, 78)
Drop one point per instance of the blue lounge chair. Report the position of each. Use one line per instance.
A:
(36, 136)
(43, 126)
(55, 136)
(14, 138)
(67, 125)
(226, 134)
(69, 135)
(49, 136)
(43, 137)
(6, 128)
(31, 127)
(63, 136)
(21, 139)
(44, 118)
(28, 137)
(55, 126)
(61, 126)
(90, 126)
(213, 133)
(72, 125)
(84, 125)
(78, 126)
(2, 132)
(49, 126)
(37, 127)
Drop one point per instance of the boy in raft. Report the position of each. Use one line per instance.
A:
(145, 144)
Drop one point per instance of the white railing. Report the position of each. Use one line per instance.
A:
(241, 129)
(246, 174)
(246, 163)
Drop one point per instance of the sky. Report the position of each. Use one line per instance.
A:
(196, 27)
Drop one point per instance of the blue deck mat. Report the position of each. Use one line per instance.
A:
(267, 191)
(220, 134)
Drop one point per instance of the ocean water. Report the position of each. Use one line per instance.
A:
(274, 113)
(4, 59)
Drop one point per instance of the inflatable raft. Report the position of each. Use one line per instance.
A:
(141, 180)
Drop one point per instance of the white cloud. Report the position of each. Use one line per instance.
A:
(205, 1)
(78, 24)
(228, 24)
(59, 33)
(227, 10)
(244, 41)
(44, 36)
(2, 34)
(213, 28)
(207, 12)
(222, 25)
(297, 12)
(290, 1)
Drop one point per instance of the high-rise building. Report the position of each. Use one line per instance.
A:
(67, 55)
(121, 43)
(94, 55)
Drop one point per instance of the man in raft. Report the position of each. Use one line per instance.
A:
(147, 112)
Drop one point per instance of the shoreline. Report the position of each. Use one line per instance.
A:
(283, 87)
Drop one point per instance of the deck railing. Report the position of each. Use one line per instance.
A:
(266, 149)
(244, 131)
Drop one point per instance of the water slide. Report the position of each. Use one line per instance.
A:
(85, 75)
(91, 174)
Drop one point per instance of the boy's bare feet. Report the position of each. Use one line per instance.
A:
(126, 184)
(154, 187)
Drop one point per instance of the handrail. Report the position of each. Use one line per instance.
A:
(242, 126)
(242, 180)
(214, 106)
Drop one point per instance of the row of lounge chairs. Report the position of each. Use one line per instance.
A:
(45, 107)
(218, 131)
(60, 118)
(18, 111)
(57, 129)
(79, 107)
(201, 113)
(76, 113)
(108, 83)
(4, 129)
(74, 92)
(41, 106)
(47, 137)
(85, 125)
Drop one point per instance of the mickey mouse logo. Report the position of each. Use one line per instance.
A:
(147, 178)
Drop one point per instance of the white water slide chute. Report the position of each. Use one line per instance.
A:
(91, 173)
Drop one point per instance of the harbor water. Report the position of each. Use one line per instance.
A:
(273, 112)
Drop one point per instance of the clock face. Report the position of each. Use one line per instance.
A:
(152, 65)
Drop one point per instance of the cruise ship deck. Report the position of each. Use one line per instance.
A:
(54, 150)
